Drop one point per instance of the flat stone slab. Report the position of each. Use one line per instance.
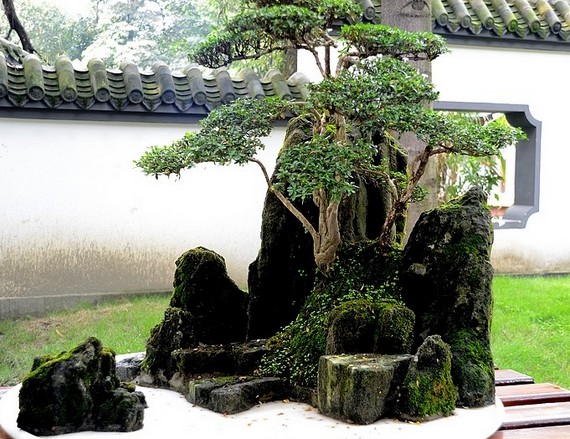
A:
(236, 396)
(360, 388)
(170, 415)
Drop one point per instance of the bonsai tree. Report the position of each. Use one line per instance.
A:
(354, 113)
(346, 133)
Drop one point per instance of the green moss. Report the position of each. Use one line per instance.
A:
(430, 395)
(428, 390)
(472, 368)
(362, 272)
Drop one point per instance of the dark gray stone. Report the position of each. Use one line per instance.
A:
(236, 395)
(232, 359)
(206, 307)
(446, 277)
(360, 388)
(129, 366)
(78, 391)
(203, 288)
(361, 326)
(176, 331)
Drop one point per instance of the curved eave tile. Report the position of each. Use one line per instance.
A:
(196, 90)
(534, 20)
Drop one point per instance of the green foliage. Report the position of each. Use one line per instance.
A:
(275, 26)
(321, 163)
(458, 133)
(375, 95)
(372, 39)
(51, 32)
(230, 134)
(460, 172)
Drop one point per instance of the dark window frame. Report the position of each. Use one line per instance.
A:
(527, 158)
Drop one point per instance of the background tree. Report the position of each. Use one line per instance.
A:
(53, 33)
(142, 31)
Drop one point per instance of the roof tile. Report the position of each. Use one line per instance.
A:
(196, 90)
(532, 20)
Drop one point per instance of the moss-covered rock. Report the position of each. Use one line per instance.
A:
(282, 275)
(446, 278)
(472, 368)
(428, 391)
(232, 359)
(363, 326)
(206, 307)
(174, 332)
(230, 395)
(203, 288)
(78, 390)
(360, 388)
(363, 272)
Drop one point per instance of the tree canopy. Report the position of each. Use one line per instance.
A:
(140, 31)
(358, 109)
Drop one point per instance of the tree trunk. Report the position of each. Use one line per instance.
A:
(414, 16)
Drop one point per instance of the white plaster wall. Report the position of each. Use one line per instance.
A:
(76, 215)
(537, 79)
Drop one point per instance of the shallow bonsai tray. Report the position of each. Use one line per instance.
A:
(170, 415)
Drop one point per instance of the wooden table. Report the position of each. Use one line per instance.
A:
(532, 411)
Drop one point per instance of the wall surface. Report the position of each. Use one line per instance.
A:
(536, 79)
(77, 217)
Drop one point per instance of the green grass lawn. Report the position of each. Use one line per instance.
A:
(122, 325)
(531, 329)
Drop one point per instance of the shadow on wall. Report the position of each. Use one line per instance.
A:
(50, 269)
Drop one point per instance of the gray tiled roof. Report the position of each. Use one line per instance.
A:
(193, 91)
(529, 20)
(519, 20)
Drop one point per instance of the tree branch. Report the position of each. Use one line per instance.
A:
(17, 26)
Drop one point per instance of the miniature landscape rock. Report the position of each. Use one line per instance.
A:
(232, 359)
(203, 288)
(428, 391)
(78, 391)
(282, 275)
(206, 307)
(362, 326)
(129, 368)
(175, 331)
(360, 388)
(446, 276)
(231, 395)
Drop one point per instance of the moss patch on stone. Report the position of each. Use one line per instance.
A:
(472, 368)
(364, 326)
(78, 390)
(428, 391)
